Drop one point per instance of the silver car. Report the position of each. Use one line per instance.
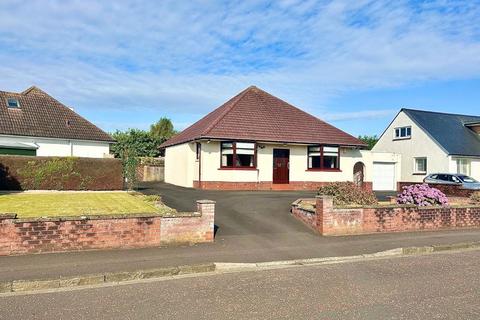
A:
(455, 179)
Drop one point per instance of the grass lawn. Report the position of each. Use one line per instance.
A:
(27, 205)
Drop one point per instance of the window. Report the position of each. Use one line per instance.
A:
(464, 166)
(13, 103)
(323, 157)
(420, 165)
(238, 155)
(403, 133)
(467, 179)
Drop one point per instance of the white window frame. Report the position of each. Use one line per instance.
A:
(415, 165)
(17, 103)
(467, 162)
(397, 133)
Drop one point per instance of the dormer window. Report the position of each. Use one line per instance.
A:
(403, 133)
(13, 103)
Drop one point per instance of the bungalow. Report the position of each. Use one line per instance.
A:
(256, 141)
(32, 123)
(432, 142)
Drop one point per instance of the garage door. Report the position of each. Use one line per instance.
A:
(384, 176)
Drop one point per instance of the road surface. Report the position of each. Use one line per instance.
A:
(439, 286)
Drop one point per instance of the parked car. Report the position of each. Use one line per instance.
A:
(455, 179)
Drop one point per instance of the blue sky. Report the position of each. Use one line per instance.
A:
(127, 63)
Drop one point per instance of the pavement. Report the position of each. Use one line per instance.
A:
(252, 227)
(435, 286)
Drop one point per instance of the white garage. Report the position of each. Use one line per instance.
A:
(384, 176)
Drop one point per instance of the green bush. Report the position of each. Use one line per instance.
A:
(55, 173)
(150, 161)
(347, 193)
(475, 197)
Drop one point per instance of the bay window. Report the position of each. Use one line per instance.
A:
(323, 158)
(238, 155)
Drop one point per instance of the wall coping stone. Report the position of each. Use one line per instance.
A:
(99, 217)
(4, 216)
(389, 206)
(206, 202)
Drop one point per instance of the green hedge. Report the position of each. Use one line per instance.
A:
(60, 173)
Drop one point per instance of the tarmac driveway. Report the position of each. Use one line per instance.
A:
(239, 213)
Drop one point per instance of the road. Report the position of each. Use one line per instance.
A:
(440, 286)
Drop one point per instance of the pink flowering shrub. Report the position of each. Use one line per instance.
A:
(422, 195)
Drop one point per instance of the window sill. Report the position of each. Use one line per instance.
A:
(237, 168)
(419, 173)
(325, 170)
(399, 139)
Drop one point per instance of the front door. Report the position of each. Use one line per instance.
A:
(281, 165)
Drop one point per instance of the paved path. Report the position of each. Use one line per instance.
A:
(441, 286)
(256, 227)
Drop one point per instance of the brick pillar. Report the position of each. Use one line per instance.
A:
(207, 209)
(7, 234)
(323, 205)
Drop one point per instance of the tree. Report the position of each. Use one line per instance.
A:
(162, 130)
(369, 140)
(134, 141)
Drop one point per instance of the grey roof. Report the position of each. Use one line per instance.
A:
(449, 131)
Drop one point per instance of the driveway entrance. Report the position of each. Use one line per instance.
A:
(260, 213)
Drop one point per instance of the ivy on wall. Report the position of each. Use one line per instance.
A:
(54, 172)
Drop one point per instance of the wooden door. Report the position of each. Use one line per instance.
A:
(281, 166)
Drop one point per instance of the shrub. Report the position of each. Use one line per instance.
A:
(475, 197)
(347, 193)
(422, 195)
(55, 172)
(130, 163)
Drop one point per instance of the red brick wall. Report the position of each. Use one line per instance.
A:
(308, 217)
(342, 221)
(190, 229)
(449, 190)
(65, 173)
(21, 236)
(264, 185)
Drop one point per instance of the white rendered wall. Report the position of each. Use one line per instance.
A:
(180, 165)
(210, 162)
(419, 145)
(61, 147)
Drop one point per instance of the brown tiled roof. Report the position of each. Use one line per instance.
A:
(256, 115)
(40, 115)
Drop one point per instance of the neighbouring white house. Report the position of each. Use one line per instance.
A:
(32, 123)
(429, 142)
(256, 141)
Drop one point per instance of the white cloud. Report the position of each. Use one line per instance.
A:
(185, 57)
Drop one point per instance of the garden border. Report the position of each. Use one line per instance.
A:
(329, 220)
(36, 235)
